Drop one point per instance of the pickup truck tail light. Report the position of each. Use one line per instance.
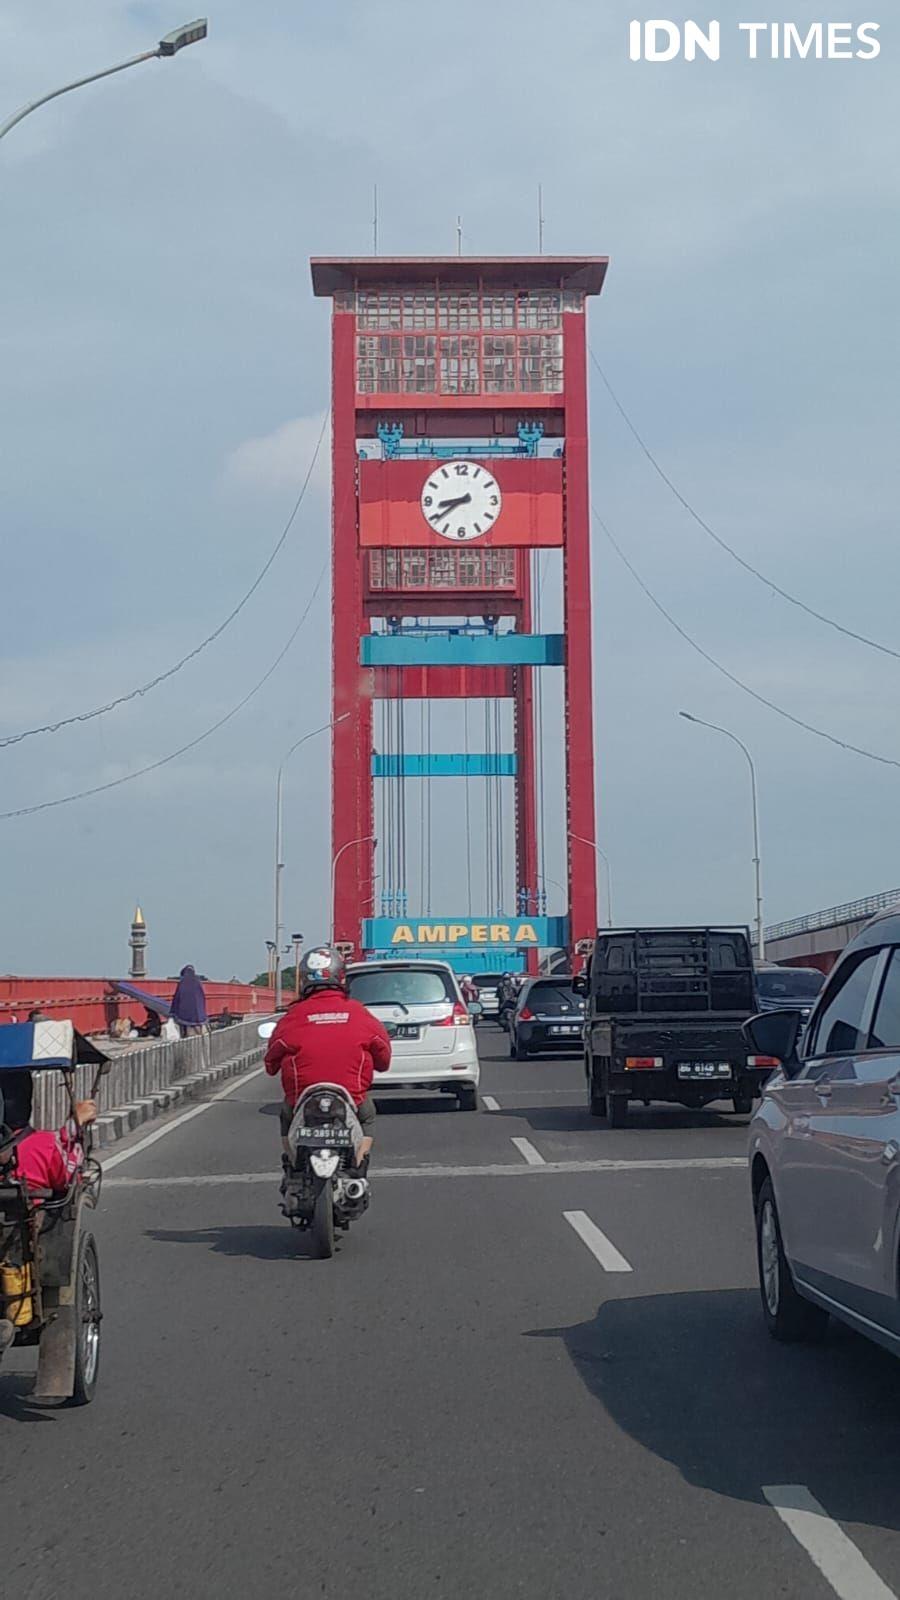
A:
(641, 1063)
(763, 1061)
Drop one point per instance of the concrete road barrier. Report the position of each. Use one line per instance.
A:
(146, 1079)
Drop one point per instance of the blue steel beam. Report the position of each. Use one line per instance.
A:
(460, 650)
(444, 766)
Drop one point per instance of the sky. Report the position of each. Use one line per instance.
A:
(166, 373)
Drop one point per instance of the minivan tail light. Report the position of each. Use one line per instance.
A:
(763, 1061)
(642, 1063)
(458, 1017)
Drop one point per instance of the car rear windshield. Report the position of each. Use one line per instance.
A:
(487, 980)
(408, 986)
(789, 983)
(552, 998)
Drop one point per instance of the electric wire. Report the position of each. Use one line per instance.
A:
(162, 677)
(792, 599)
(798, 722)
(153, 766)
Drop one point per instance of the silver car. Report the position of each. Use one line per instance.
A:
(825, 1150)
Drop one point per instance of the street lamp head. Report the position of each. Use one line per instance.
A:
(191, 33)
(687, 716)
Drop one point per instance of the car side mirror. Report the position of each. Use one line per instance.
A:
(581, 984)
(776, 1034)
(475, 1008)
(266, 1029)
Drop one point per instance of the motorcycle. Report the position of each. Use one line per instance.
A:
(322, 1190)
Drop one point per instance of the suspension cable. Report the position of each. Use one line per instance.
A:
(468, 813)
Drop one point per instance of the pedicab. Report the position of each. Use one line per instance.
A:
(49, 1269)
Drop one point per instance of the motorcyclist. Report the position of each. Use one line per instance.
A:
(327, 1037)
(506, 998)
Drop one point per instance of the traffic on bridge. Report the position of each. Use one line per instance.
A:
(528, 1228)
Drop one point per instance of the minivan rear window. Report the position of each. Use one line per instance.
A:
(408, 986)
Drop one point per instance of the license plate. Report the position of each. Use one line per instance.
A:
(704, 1069)
(407, 1031)
(324, 1136)
(565, 1027)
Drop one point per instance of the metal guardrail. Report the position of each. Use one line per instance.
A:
(835, 916)
(144, 1070)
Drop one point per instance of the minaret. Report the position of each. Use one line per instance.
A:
(138, 942)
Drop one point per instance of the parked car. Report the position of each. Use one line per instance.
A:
(778, 988)
(664, 1018)
(432, 1027)
(825, 1150)
(548, 1016)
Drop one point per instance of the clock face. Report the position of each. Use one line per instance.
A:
(461, 500)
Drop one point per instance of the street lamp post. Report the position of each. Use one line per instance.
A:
(368, 838)
(592, 844)
(191, 33)
(757, 865)
(279, 843)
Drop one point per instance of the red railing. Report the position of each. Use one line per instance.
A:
(92, 1003)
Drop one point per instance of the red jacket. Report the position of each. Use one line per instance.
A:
(328, 1038)
(48, 1160)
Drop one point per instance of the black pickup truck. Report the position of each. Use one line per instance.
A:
(663, 1019)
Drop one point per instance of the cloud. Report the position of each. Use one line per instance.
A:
(280, 459)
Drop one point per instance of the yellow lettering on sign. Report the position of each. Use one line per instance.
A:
(479, 933)
(457, 931)
(436, 934)
(403, 935)
(499, 933)
(526, 934)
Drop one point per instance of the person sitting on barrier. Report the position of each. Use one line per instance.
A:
(327, 1037)
(152, 1028)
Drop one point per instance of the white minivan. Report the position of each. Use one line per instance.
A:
(432, 1028)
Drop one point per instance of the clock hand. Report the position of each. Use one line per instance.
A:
(451, 505)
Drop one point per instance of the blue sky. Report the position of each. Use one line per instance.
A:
(166, 371)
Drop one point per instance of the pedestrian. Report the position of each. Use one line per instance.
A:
(189, 1003)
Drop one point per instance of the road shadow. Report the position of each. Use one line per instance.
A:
(696, 1380)
(393, 1104)
(17, 1402)
(270, 1243)
(576, 1119)
(271, 1109)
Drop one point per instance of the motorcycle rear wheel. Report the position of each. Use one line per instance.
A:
(321, 1228)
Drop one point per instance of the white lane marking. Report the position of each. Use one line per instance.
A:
(177, 1122)
(837, 1557)
(602, 1248)
(489, 1103)
(528, 1153)
(550, 1168)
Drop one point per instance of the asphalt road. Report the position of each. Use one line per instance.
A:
(539, 1372)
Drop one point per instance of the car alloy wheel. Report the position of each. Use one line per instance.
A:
(768, 1256)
